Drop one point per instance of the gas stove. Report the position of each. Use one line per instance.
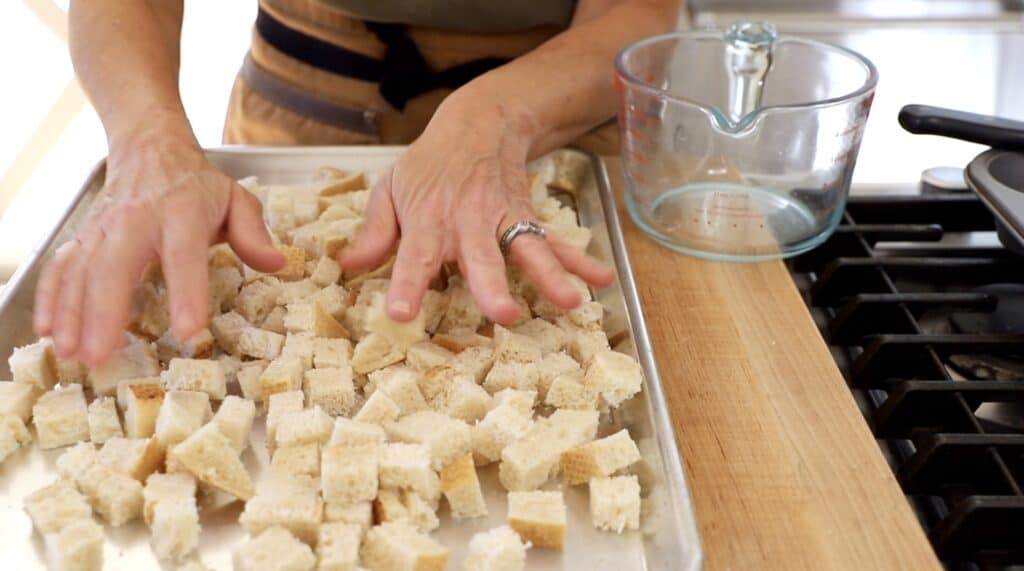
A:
(923, 309)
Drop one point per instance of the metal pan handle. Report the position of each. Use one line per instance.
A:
(973, 127)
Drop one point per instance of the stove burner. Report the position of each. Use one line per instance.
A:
(1006, 317)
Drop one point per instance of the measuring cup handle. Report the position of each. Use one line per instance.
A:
(973, 127)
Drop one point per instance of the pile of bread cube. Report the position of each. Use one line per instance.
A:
(370, 424)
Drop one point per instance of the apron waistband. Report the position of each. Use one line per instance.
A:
(401, 75)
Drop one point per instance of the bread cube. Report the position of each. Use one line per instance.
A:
(348, 432)
(426, 354)
(256, 299)
(56, 505)
(568, 391)
(522, 401)
(198, 346)
(248, 377)
(283, 374)
(543, 307)
(295, 263)
(338, 546)
(279, 405)
(615, 503)
(400, 384)
(399, 546)
(34, 365)
(181, 414)
(615, 376)
(587, 315)
(299, 345)
(462, 488)
(337, 181)
(551, 338)
(311, 317)
(378, 409)
(462, 311)
(176, 487)
(193, 565)
(419, 512)
(406, 466)
(297, 508)
(554, 365)
(331, 389)
(475, 362)
(260, 343)
(142, 408)
(349, 474)
(600, 458)
(334, 300)
(136, 457)
(447, 438)
(234, 418)
(136, 359)
(359, 514)
(16, 399)
(71, 371)
(175, 529)
(373, 352)
(463, 399)
(497, 549)
(115, 496)
(294, 292)
(275, 549)
(61, 417)
(210, 456)
(227, 330)
(76, 460)
(13, 435)
(514, 347)
(274, 321)
(529, 462)
(509, 374)
(585, 343)
(293, 462)
(104, 423)
(124, 388)
(152, 316)
(308, 426)
(538, 518)
(78, 546)
(326, 272)
(399, 334)
(435, 380)
(458, 340)
(328, 353)
(499, 428)
(224, 285)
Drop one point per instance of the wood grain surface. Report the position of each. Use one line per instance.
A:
(783, 469)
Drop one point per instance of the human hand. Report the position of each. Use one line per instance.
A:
(162, 201)
(450, 197)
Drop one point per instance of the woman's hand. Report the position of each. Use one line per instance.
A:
(450, 197)
(164, 202)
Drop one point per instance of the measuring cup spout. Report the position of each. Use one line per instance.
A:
(748, 59)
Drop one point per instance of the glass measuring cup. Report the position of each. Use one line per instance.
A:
(740, 145)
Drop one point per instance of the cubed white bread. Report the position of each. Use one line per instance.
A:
(311, 317)
(599, 459)
(294, 263)
(447, 438)
(339, 182)
(123, 388)
(76, 460)
(585, 343)
(104, 423)
(426, 354)
(497, 549)
(349, 474)
(16, 399)
(181, 414)
(293, 292)
(230, 364)
(348, 432)
(568, 391)
(399, 546)
(509, 374)
(274, 321)
(152, 314)
(210, 456)
(248, 377)
(458, 340)
(311, 425)
(198, 346)
(462, 311)
(324, 238)
(283, 374)
(278, 405)
(175, 487)
(474, 361)
(328, 353)
(404, 465)
(461, 488)
(56, 505)
(175, 530)
(136, 359)
(550, 337)
(299, 345)
(538, 518)
(76, 547)
(13, 435)
(501, 426)
(613, 375)
(256, 299)
(543, 307)
(61, 417)
(297, 508)
(260, 343)
(587, 315)
(193, 565)
(554, 365)
(375, 351)
(338, 546)
(522, 401)
(615, 503)
(224, 285)
(400, 383)
(115, 496)
(529, 462)
(280, 210)
(378, 409)
(34, 365)
(398, 333)
(298, 461)
(331, 389)
(463, 399)
(71, 371)
(434, 305)
(419, 512)
(275, 549)
(326, 272)
(334, 300)
(514, 347)
(227, 330)
(142, 408)
(434, 380)
(136, 457)
(234, 418)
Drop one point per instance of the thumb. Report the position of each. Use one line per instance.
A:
(377, 234)
(247, 234)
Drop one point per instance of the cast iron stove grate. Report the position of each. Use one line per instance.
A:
(903, 295)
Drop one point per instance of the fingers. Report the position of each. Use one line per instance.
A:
(579, 263)
(377, 234)
(183, 257)
(533, 254)
(418, 261)
(67, 320)
(247, 234)
(484, 267)
(47, 289)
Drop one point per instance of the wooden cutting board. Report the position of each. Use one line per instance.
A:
(783, 469)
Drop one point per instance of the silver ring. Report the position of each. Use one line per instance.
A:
(517, 229)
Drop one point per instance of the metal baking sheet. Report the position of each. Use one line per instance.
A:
(668, 538)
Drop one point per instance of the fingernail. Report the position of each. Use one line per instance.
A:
(400, 307)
